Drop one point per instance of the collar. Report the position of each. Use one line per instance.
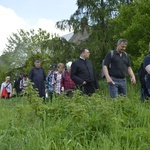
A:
(82, 58)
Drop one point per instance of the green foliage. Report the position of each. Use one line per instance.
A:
(25, 47)
(80, 122)
(133, 24)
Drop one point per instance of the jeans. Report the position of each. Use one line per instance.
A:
(118, 88)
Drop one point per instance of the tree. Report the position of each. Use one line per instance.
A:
(24, 48)
(133, 23)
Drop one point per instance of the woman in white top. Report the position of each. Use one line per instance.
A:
(8, 86)
(60, 68)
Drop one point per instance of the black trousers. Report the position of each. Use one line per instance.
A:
(88, 88)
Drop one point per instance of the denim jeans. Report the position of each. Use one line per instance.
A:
(118, 88)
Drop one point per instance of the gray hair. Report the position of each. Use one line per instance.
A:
(122, 41)
(68, 65)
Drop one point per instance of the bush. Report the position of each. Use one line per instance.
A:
(80, 122)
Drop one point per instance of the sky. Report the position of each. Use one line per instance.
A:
(33, 14)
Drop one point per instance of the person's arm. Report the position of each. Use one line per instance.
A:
(31, 75)
(132, 76)
(107, 62)
(2, 86)
(74, 75)
(21, 84)
(95, 81)
(11, 91)
(62, 82)
(147, 68)
(44, 74)
(15, 83)
(106, 73)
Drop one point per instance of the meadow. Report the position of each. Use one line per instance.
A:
(77, 123)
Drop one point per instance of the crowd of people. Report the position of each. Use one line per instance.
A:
(78, 74)
(57, 81)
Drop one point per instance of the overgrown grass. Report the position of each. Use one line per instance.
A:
(78, 123)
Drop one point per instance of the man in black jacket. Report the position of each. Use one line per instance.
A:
(37, 76)
(82, 73)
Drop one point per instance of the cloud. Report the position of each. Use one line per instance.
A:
(10, 22)
(49, 26)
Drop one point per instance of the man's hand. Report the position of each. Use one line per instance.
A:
(109, 80)
(62, 89)
(84, 82)
(133, 80)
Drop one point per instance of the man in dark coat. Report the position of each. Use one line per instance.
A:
(16, 86)
(82, 73)
(37, 76)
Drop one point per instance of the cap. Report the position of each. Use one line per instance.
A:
(53, 67)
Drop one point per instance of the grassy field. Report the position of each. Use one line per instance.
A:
(77, 123)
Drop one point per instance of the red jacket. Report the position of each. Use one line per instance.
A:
(66, 81)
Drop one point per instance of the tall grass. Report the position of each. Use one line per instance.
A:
(77, 123)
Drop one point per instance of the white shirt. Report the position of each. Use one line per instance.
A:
(9, 87)
(58, 83)
(23, 83)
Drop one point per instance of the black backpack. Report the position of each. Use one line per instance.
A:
(142, 78)
(142, 74)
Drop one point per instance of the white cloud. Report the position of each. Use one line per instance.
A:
(10, 22)
(49, 26)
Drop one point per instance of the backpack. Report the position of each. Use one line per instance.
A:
(142, 74)
(142, 78)
(4, 92)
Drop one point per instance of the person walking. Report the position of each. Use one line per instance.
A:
(6, 88)
(116, 66)
(58, 76)
(82, 73)
(16, 87)
(50, 82)
(146, 88)
(67, 85)
(37, 76)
